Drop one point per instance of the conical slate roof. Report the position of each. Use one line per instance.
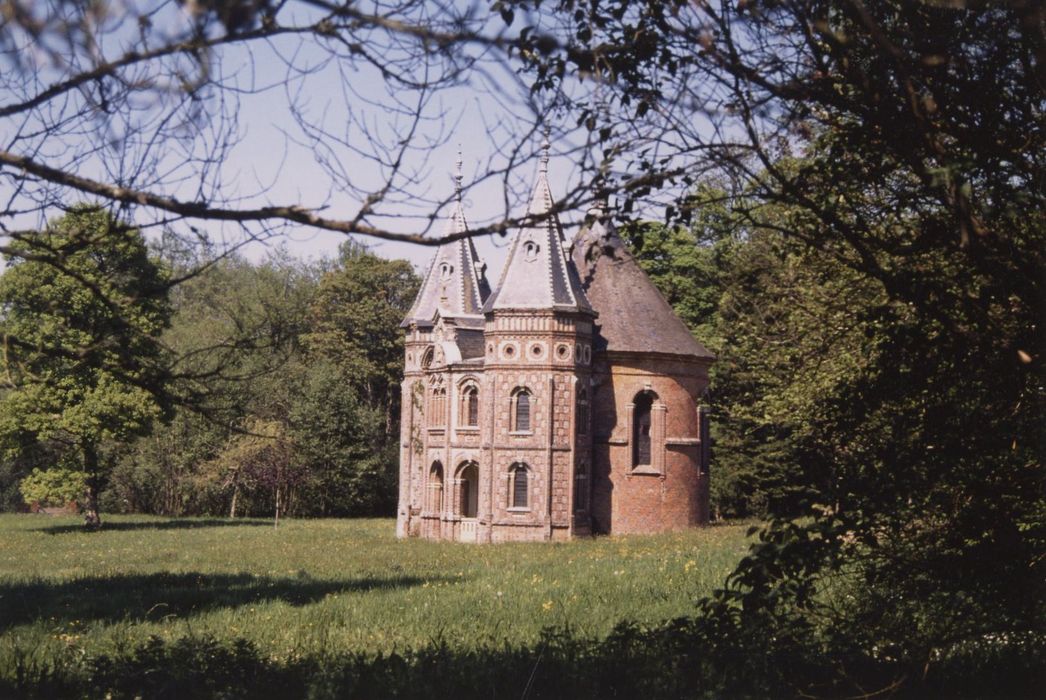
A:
(538, 273)
(633, 316)
(455, 284)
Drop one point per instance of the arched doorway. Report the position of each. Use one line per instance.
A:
(435, 500)
(468, 499)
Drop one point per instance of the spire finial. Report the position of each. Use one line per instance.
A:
(545, 146)
(458, 176)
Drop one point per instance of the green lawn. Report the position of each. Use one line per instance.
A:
(329, 585)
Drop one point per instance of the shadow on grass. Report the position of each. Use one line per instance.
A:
(171, 524)
(140, 597)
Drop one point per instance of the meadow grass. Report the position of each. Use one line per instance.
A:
(329, 586)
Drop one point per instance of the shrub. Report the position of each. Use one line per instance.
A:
(53, 487)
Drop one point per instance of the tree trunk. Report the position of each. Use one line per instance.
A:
(92, 518)
(235, 496)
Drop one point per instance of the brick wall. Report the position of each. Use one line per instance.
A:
(551, 357)
(672, 493)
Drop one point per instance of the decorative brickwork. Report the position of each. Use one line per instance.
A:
(519, 406)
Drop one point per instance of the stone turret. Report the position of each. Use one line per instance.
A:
(539, 350)
(455, 284)
(443, 327)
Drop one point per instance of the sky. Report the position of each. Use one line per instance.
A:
(268, 157)
(353, 107)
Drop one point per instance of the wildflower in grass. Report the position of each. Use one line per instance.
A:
(547, 605)
(688, 566)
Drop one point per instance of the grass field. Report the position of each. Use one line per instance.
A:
(317, 586)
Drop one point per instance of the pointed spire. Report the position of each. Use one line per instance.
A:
(545, 146)
(458, 176)
(456, 283)
(538, 274)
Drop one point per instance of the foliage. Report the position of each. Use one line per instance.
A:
(53, 487)
(84, 307)
(259, 457)
(685, 272)
(340, 437)
(307, 351)
(355, 324)
(881, 316)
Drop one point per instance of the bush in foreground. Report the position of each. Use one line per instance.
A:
(680, 659)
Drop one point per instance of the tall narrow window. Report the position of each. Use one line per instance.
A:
(582, 412)
(519, 485)
(439, 407)
(641, 424)
(580, 489)
(470, 405)
(521, 411)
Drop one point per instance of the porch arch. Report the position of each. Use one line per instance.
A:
(435, 488)
(468, 489)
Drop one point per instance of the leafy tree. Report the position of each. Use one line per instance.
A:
(685, 270)
(260, 457)
(83, 362)
(895, 149)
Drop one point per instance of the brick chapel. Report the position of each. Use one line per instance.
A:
(566, 402)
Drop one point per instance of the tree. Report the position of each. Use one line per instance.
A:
(341, 438)
(355, 324)
(902, 143)
(162, 89)
(83, 309)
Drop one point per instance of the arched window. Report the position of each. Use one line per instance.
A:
(521, 410)
(469, 409)
(641, 425)
(426, 358)
(519, 488)
(582, 411)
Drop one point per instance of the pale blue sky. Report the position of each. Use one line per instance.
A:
(274, 163)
